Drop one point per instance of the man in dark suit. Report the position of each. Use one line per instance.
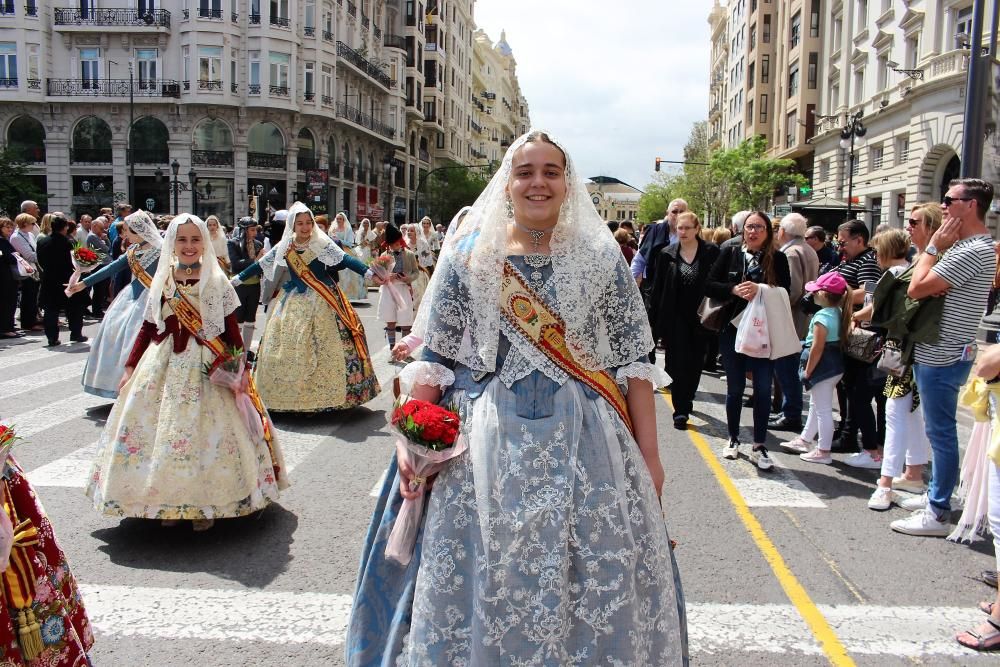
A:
(54, 256)
(658, 237)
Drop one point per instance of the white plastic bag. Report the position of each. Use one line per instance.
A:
(752, 338)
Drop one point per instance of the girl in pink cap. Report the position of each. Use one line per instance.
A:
(822, 364)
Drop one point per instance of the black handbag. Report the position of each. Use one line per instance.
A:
(863, 345)
(713, 313)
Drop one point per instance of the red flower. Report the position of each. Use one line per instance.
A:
(426, 424)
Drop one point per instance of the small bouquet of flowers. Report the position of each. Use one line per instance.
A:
(8, 438)
(85, 260)
(382, 267)
(229, 371)
(427, 438)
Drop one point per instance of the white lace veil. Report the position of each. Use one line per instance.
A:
(216, 297)
(596, 296)
(142, 225)
(325, 248)
(347, 237)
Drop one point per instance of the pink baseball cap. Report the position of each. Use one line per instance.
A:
(831, 282)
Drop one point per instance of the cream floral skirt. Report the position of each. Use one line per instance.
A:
(176, 447)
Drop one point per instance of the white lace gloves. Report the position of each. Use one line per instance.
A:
(642, 370)
(425, 373)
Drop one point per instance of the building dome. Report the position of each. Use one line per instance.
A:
(502, 46)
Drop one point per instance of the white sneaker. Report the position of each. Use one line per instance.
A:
(923, 523)
(797, 445)
(902, 484)
(732, 450)
(761, 459)
(882, 499)
(863, 459)
(817, 456)
(915, 503)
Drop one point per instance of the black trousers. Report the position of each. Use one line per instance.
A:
(75, 305)
(685, 343)
(29, 302)
(861, 390)
(8, 299)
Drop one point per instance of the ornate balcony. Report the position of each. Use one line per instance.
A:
(352, 9)
(147, 156)
(327, 35)
(327, 99)
(378, 32)
(359, 61)
(309, 96)
(309, 31)
(280, 21)
(212, 158)
(112, 88)
(395, 41)
(279, 90)
(235, 88)
(90, 155)
(365, 21)
(235, 17)
(255, 19)
(209, 13)
(210, 84)
(254, 89)
(34, 84)
(266, 161)
(364, 120)
(132, 18)
(8, 83)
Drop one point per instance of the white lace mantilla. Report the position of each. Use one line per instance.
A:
(426, 373)
(322, 246)
(641, 370)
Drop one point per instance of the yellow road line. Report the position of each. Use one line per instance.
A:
(797, 595)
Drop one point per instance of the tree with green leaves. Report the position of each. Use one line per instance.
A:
(657, 196)
(15, 184)
(447, 190)
(751, 176)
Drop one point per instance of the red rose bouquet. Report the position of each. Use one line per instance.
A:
(84, 260)
(382, 267)
(428, 437)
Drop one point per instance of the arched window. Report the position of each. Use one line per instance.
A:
(307, 149)
(213, 143)
(26, 139)
(91, 142)
(333, 159)
(348, 162)
(266, 147)
(148, 144)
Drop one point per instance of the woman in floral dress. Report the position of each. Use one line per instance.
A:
(313, 356)
(176, 446)
(543, 544)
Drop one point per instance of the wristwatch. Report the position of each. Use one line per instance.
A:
(931, 250)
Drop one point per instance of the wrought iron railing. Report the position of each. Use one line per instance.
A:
(235, 88)
(255, 19)
(209, 13)
(31, 10)
(90, 155)
(352, 9)
(326, 99)
(234, 17)
(158, 18)
(303, 162)
(34, 84)
(266, 161)
(327, 35)
(212, 158)
(476, 126)
(424, 155)
(281, 21)
(395, 41)
(112, 88)
(210, 84)
(279, 90)
(254, 89)
(365, 120)
(365, 21)
(27, 154)
(309, 96)
(362, 63)
(378, 32)
(309, 31)
(8, 82)
(187, 85)
(147, 156)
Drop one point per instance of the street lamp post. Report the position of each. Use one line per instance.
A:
(131, 128)
(853, 130)
(193, 180)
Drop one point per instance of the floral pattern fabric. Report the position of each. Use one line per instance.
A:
(57, 606)
(308, 361)
(176, 447)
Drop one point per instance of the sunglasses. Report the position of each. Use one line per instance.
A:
(676, 211)
(912, 222)
(948, 201)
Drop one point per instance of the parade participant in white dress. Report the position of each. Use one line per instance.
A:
(177, 445)
(219, 242)
(544, 543)
(433, 242)
(366, 236)
(112, 345)
(352, 284)
(313, 356)
(419, 247)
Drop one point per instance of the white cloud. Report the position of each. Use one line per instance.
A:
(619, 82)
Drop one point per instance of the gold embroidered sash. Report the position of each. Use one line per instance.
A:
(137, 270)
(20, 578)
(529, 314)
(189, 317)
(336, 300)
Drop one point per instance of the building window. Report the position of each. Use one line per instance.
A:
(876, 209)
(834, 98)
(793, 79)
(812, 72)
(753, 36)
(209, 66)
(765, 35)
(90, 67)
(279, 12)
(310, 80)
(34, 64)
(963, 22)
(791, 129)
(814, 19)
(859, 85)
(876, 158)
(763, 109)
(146, 65)
(795, 30)
(824, 171)
(750, 74)
(862, 22)
(327, 83)
(750, 111)
(902, 150)
(279, 72)
(310, 17)
(254, 73)
(765, 69)
(912, 51)
(8, 64)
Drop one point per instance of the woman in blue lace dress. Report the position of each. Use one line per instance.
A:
(543, 544)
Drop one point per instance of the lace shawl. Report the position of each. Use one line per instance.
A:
(325, 248)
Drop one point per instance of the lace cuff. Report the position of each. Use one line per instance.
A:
(427, 373)
(641, 370)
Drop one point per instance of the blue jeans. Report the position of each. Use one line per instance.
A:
(939, 387)
(786, 369)
(736, 366)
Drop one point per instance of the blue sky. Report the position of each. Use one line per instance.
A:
(619, 83)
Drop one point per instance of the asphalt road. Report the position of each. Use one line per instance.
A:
(786, 567)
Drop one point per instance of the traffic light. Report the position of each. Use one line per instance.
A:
(657, 164)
